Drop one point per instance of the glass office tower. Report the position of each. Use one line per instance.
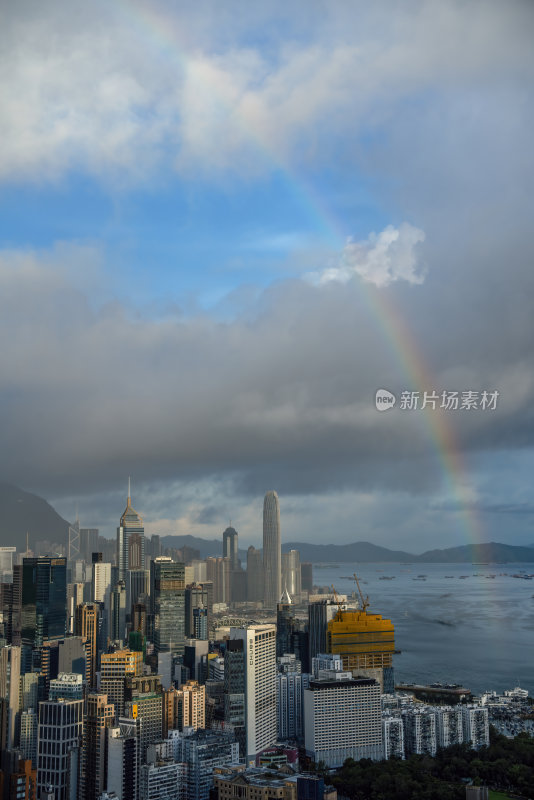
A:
(44, 600)
(169, 606)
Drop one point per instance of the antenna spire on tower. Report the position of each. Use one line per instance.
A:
(129, 496)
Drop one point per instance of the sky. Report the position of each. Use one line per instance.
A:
(225, 226)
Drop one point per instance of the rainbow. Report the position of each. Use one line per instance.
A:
(169, 40)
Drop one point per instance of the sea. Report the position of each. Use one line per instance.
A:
(471, 624)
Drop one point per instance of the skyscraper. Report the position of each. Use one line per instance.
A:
(115, 668)
(58, 749)
(130, 540)
(285, 624)
(254, 575)
(234, 691)
(230, 546)
(272, 551)
(86, 626)
(291, 577)
(169, 606)
(100, 715)
(319, 615)
(259, 649)
(44, 601)
(197, 596)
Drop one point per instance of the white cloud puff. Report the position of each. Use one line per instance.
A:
(381, 259)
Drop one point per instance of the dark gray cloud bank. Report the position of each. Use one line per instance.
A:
(208, 414)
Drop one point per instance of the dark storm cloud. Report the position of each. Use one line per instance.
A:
(289, 394)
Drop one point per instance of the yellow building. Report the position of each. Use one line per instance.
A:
(114, 668)
(365, 642)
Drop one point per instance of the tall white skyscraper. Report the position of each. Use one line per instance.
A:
(272, 551)
(259, 646)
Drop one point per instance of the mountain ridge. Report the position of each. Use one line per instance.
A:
(22, 513)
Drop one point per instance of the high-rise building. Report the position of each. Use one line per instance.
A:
(169, 606)
(342, 719)
(28, 735)
(306, 576)
(259, 647)
(285, 624)
(88, 543)
(366, 643)
(393, 736)
(144, 702)
(200, 624)
(476, 726)
(290, 684)
(231, 547)
(130, 554)
(100, 716)
(319, 615)
(272, 551)
(101, 582)
(10, 664)
(122, 764)
(420, 731)
(234, 691)
(58, 748)
(137, 587)
(15, 611)
(7, 554)
(115, 668)
(186, 707)
(254, 575)
(203, 751)
(44, 600)
(118, 613)
(155, 545)
(218, 572)
(197, 596)
(291, 577)
(449, 725)
(86, 626)
(196, 659)
(139, 618)
(75, 593)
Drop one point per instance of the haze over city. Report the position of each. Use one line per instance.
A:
(224, 227)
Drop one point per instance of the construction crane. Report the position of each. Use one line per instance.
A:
(364, 602)
(338, 601)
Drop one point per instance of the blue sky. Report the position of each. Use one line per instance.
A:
(215, 225)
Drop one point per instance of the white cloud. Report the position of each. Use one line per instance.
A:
(380, 259)
(84, 88)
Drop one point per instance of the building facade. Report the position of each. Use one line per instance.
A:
(130, 540)
(259, 649)
(342, 719)
(272, 551)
